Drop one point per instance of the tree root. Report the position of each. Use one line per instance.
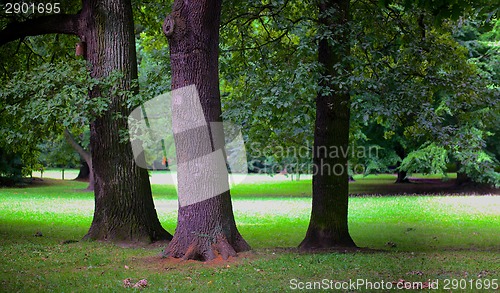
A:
(204, 248)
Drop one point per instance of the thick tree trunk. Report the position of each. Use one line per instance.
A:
(124, 208)
(206, 227)
(87, 173)
(328, 226)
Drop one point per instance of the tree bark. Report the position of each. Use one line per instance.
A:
(328, 226)
(84, 171)
(206, 228)
(124, 208)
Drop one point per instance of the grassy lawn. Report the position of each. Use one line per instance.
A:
(419, 238)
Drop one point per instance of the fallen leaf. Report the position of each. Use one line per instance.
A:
(418, 273)
(127, 283)
(141, 284)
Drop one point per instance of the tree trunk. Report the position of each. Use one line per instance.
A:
(328, 226)
(87, 157)
(124, 208)
(206, 227)
(86, 174)
(84, 171)
(402, 175)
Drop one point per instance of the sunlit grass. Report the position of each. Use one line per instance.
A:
(439, 236)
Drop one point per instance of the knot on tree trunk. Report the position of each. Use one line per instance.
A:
(168, 26)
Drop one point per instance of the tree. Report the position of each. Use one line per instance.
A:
(480, 33)
(206, 228)
(85, 155)
(55, 152)
(124, 208)
(414, 80)
(328, 226)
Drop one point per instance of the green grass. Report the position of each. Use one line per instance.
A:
(435, 237)
(371, 184)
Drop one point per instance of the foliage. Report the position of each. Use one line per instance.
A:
(481, 36)
(410, 77)
(269, 78)
(423, 72)
(429, 159)
(416, 81)
(39, 103)
(58, 153)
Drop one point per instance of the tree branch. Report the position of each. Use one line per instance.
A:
(50, 24)
(77, 147)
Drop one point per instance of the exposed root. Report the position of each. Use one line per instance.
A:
(206, 248)
(192, 252)
(224, 248)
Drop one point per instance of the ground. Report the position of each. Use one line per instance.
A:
(411, 238)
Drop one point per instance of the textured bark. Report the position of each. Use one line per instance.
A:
(205, 229)
(328, 226)
(124, 208)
